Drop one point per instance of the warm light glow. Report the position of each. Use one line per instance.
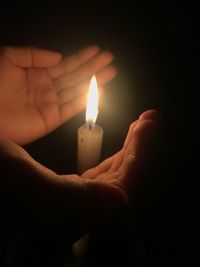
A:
(92, 102)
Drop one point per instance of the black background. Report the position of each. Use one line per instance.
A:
(155, 52)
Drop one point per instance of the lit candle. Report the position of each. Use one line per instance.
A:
(90, 135)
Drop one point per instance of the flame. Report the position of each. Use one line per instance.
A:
(92, 102)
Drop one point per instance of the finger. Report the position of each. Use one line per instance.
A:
(153, 115)
(137, 153)
(31, 57)
(70, 63)
(85, 71)
(68, 95)
(150, 114)
(130, 133)
(72, 108)
(117, 161)
(99, 169)
(105, 76)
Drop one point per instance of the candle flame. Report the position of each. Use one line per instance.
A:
(92, 102)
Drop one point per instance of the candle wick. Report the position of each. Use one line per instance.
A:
(90, 125)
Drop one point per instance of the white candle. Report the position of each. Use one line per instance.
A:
(90, 138)
(90, 135)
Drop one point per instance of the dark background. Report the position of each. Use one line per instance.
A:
(155, 48)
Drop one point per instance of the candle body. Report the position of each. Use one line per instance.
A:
(89, 146)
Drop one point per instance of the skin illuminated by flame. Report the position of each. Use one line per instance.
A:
(92, 102)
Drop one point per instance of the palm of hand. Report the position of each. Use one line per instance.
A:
(36, 100)
(32, 108)
(101, 190)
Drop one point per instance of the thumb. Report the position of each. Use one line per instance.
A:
(31, 57)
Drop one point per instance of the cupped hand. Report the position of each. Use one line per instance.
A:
(73, 202)
(39, 90)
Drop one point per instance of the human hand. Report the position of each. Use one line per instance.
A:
(73, 202)
(39, 91)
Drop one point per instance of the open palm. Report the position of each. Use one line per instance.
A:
(39, 91)
(70, 201)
